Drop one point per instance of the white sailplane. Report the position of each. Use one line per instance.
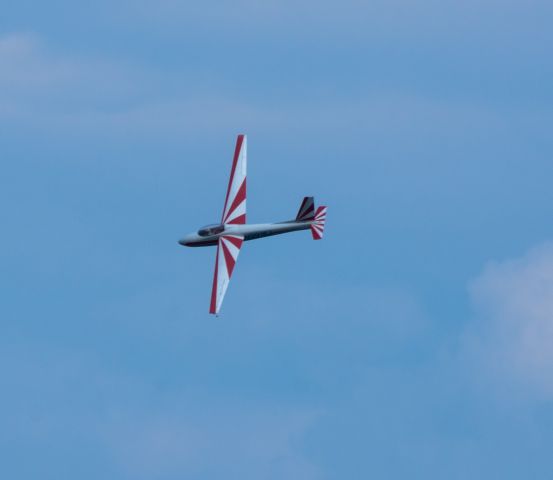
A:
(230, 234)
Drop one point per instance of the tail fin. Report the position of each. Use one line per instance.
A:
(318, 225)
(306, 212)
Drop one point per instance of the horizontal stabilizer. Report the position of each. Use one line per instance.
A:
(318, 225)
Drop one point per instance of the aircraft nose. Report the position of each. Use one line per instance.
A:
(187, 240)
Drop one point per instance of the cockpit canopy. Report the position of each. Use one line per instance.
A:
(209, 230)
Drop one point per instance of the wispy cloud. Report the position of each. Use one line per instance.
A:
(344, 23)
(55, 91)
(145, 430)
(235, 441)
(512, 333)
(29, 66)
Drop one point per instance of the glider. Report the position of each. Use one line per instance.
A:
(233, 231)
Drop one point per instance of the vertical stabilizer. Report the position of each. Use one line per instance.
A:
(306, 212)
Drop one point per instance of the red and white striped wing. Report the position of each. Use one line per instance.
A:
(228, 249)
(235, 202)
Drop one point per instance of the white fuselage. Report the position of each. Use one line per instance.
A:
(248, 231)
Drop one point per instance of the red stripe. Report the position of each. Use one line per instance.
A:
(320, 211)
(229, 259)
(213, 304)
(237, 149)
(240, 197)
(240, 220)
(237, 242)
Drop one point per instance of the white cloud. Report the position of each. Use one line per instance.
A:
(511, 338)
(16, 44)
(33, 75)
(236, 441)
(67, 398)
(346, 22)
(85, 96)
(47, 89)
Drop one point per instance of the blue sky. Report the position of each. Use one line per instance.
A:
(413, 341)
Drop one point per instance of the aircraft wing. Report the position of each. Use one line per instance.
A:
(228, 249)
(235, 201)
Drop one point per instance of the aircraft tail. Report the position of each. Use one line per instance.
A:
(306, 212)
(318, 225)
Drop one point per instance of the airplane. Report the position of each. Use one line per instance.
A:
(233, 231)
